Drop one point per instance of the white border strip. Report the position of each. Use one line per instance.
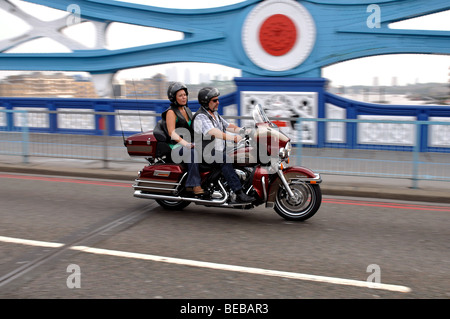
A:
(216, 266)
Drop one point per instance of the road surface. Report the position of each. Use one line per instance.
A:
(89, 238)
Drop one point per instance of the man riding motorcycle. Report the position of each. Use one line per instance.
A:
(212, 129)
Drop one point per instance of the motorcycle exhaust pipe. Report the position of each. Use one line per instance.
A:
(140, 194)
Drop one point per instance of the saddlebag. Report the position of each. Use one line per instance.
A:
(159, 178)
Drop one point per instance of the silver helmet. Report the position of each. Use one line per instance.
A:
(206, 94)
(173, 89)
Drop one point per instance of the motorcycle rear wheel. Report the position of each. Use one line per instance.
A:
(306, 203)
(172, 205)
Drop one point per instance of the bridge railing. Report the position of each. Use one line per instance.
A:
(86, 116)
(404, 162)
(377, 134)
(373, 160)
(341, 130)
(14, 141)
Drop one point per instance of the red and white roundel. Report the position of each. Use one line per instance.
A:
(278, 35)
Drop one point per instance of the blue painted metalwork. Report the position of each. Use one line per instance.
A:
(214, 36)
(115, 107)
(8, 105)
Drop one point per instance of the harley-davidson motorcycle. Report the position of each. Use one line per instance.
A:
(260, 160)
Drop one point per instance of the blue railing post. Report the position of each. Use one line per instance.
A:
(321, 114)
(52, 117)
(416, 153)
(25, 137)
(105, 127)
(9, 117)
(423, 117)
(351, 137)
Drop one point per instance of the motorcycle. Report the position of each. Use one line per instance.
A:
(260, 160)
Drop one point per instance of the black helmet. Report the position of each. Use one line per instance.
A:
(173, 89)
(206, 94)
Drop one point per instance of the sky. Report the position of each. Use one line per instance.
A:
(407, 69)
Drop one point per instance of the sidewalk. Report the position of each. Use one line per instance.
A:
(382, 188)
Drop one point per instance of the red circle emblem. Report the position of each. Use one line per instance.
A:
(278, 35)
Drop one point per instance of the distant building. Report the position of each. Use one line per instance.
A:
(84, 88)
(60, 85)
(38, 84)
(154, 88)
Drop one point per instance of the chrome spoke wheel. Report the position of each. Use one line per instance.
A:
(303, 205)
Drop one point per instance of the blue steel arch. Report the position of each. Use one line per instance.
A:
(214, 36)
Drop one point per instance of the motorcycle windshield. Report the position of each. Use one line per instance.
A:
(260, 117)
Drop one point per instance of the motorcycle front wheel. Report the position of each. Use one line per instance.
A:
(306, 201)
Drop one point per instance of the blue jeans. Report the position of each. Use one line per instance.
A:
(229, 173)
(193, 178)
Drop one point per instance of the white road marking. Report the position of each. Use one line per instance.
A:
(30, 242)
(216, 266)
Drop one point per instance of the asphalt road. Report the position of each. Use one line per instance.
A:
(87, 238)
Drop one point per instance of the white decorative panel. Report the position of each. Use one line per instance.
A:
(34, 119)
(335, 130)
(295, 105)
(387, 133)
(77, 120)
(439, 135)
(142, 120)
(2, 117)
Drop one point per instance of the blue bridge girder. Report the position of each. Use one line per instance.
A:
(214, 35)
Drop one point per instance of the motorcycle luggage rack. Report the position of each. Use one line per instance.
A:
(154, 185)
(158, 186)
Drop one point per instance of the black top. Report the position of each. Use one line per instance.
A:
(180, 121)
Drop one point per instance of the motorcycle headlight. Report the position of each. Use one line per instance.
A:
(288, 148)
(285, 151)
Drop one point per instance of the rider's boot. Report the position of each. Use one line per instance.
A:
(243, 198)
(198, 190)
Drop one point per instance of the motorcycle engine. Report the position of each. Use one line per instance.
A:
(216, 193)
(241, 174)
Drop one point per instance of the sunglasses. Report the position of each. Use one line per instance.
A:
(215, 100)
